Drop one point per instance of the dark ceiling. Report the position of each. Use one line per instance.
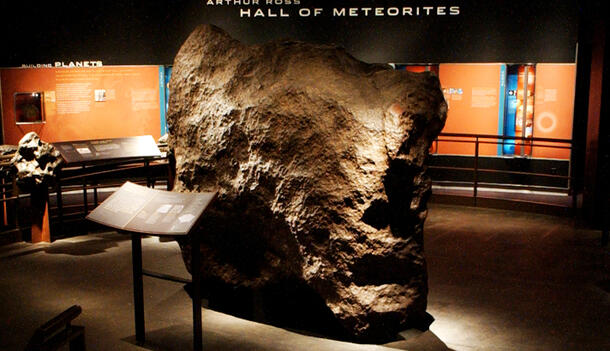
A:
(151, 32)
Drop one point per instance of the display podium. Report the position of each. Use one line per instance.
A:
(87, 161)
(104, 150)
(137, 210)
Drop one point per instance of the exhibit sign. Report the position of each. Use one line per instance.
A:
(108, 149)
(69, 64)
(62, 104)
(409, 31)
(399, 31)
(135, 208)
(294, 8)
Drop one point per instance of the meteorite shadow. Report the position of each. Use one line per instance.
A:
(288, 304)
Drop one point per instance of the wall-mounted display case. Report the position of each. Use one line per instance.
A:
(29, 107)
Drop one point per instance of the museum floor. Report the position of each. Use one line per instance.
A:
(499, 280)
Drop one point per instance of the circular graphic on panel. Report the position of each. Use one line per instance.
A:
(546, 122)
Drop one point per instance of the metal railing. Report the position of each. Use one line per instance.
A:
(71, 180)
(89, 179)
(478, 139)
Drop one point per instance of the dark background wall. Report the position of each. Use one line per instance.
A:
(151, 32)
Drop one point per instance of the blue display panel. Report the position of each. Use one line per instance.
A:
(165, 73)
(510, 108)
(501, 106)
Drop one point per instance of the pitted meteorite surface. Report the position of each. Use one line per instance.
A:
(319, 163)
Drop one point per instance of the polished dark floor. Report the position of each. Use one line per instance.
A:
(499, 280)
(549, 202)
(504, 280)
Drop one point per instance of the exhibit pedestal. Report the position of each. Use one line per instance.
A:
(138, 211)
(138, 290)
(39, 201)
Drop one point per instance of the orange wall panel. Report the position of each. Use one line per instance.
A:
(554, 107)
(131, 105)
(472, 93)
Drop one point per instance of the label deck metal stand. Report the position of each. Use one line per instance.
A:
(137, 210)
(88, 160)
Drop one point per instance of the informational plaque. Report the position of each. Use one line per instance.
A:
(139, 209)
(108, 149)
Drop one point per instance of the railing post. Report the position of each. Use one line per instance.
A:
(60, 204)
(196, 281)
(39, 202)
(4, 210)
(476, 169)
(572, 191)
(149, 183)
(572, 181)
(138, 287)
(95, 198)
(85, 204)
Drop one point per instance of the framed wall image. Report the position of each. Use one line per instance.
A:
(29, 107)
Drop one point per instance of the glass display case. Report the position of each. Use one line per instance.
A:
(29, 107)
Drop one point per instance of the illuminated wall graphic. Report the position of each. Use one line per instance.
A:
(119, 101)
(524, 118)
(554, 107)
(510, 109)
(165, 73)
(83, 103)
(510, 100)
(417, 68)
(472, 92)
(519, 109)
